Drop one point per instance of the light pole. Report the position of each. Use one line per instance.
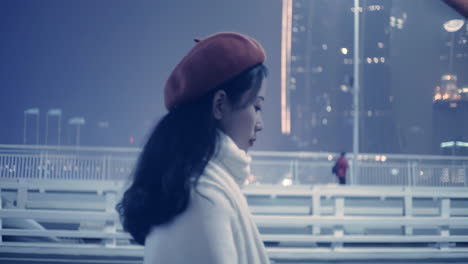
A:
(453, 26)
(58, 114)
(78, 121)
(356, 84)
(31, 111)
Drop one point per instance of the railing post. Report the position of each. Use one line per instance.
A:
(353, 177)
(295, 172)
(409, 172)
(22, 195)
(105, 166)
(408, 209)
(111, 225)
(445, 214)
(466, 174)
(291, 169)
(41, 164)
(315, 208)
(1, 222)
(338, 231)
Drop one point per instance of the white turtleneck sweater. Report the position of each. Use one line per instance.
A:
(217, 226)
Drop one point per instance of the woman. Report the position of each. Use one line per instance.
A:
(185, 204)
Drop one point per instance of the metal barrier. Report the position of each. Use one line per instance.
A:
(285, 168)
(297, 223)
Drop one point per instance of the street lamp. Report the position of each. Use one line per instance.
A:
(58, 114)
(31, 111)
(78, 121)
(453, 26)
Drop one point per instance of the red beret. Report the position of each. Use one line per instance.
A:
(212, 61)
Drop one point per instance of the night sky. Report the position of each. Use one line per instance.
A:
(108, 60)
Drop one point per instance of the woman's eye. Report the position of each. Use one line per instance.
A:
(258, 108)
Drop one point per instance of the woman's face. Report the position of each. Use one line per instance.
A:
(242, 124)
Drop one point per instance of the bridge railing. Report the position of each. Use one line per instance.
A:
(296, 223)
(285, 168)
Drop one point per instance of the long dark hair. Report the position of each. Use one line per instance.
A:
(175, 156)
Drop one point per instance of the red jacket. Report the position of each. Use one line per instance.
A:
(342, 167)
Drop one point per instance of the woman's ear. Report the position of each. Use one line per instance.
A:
(219, 104)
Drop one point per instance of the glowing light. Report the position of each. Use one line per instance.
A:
(394, 171)
(454, 25)
(438, 96)
(449, 77)
(376, 60)
(380, 45)
(369, 60)
(132, 139)
(377, 158)
(384, 158)
(461, 144)
(329, 108)
(344, 88)
(330, 157)
(77, 121)
(446, 96)
(286, 182)
(447, 144)
(344, 51)
(250, 179)
(324, 46)
(359, 9)
(317, 69)
(382, 59)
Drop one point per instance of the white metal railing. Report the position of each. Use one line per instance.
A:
(351, 222)
(88, 163)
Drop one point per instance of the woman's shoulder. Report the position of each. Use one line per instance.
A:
(208, 215)
(211, 197)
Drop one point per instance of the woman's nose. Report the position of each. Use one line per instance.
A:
(259, 125)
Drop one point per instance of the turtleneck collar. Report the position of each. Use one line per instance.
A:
(235, 160)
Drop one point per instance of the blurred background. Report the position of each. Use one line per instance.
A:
(91, 73)
(384, 80)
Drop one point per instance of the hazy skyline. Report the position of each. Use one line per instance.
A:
(109, 60)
